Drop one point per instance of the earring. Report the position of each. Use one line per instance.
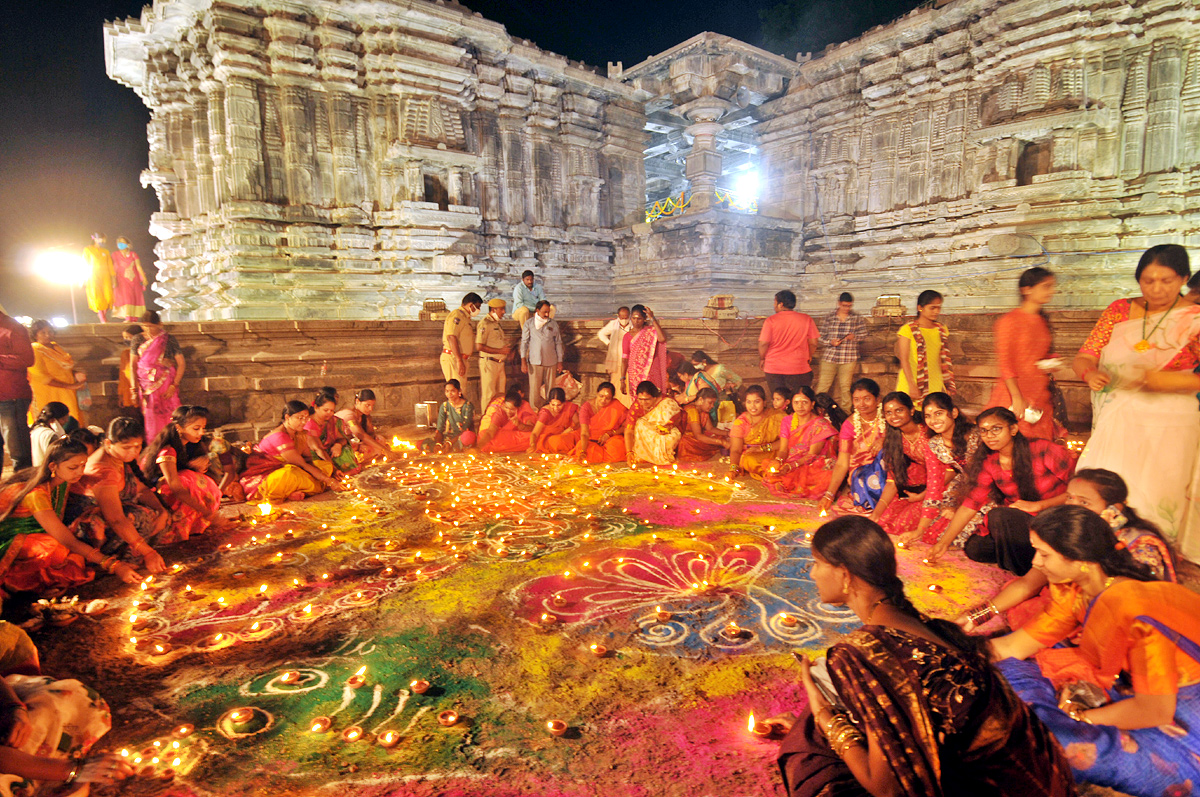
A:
(1083, 568)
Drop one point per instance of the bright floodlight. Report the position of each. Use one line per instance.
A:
(58, 322)
(23, 320)
(746, 186)
(62, 267)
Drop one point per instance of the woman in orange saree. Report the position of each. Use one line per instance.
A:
(701, 439)
(602, 428)
(556, 428)
(506, 425)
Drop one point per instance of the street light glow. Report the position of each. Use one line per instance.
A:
(58, 322)
(62, 267)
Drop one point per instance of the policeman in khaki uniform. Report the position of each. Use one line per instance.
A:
(458, 339)
(493, 349)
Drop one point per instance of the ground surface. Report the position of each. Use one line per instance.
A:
(502, 542)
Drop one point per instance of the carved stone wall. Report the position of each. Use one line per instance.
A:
(334, 160)
(904, 152)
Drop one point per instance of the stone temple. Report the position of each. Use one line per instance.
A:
(352, 159)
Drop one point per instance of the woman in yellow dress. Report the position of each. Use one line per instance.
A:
(925, 365)
(52, 375)
(754, 435)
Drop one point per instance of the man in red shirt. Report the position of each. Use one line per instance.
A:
(785, 345)
(16, 355)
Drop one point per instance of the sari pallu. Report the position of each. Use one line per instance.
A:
(946, 721)
(559, 435)
(691, 449)
(1136, 432)
(605, 422)
(759, 439)
(867, 475)
(1147, 762)
(268, 477)
(91, 527)
(805, 477)
(203, 490)
(904, 512)
(656, 434)
(647, 360)
(30, 559)
(67, 718)
(330, 433)
(698, 382)
(155, 372)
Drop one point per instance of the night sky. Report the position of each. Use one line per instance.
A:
(72, 142)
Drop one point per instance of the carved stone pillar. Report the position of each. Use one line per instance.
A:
(243, 132)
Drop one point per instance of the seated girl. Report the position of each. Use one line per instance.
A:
(906, 705)
(126, 511)
(652, 430)
(1030, 475)
(37, 552)
(781, 400)
(754, 435)
(282, 467)
(180, 472)
(952, 445)
(804, 460)
(327, 435)
(904, 454)
(46, 427)
(602, 428)
(362, 428)
(1105, 493)
(456, 420)
(506, 427)
(1134, 723)
(702, 439)
(48, 726)
(860, 451)
(556, 430)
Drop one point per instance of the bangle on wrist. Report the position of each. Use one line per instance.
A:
(73, 773)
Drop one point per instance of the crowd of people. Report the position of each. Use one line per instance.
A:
(1100, 678)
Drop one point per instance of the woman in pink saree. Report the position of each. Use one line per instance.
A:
(644, 351)
(159, 369)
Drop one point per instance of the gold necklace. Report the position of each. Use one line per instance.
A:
(871, 611)
(1144, 343)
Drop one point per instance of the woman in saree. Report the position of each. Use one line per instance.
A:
(906, 705)
(754, 435)
(282, 467)
(1131, 721)
(52, 376)
(48, 726)
(951, 448)
(723, 380)
(1022, 338)
(925, 365)
(506, 426)
(652, 430)
(905, 452)
(37, 552)
(556, 430)
(1104, 493)
(602, 428)
(158, 370)
(860, 451)
(644, 351)
(1030, 476)
(327, 434)
(701, 440)
(191, 495)
(804, 460)
(1140, 362)
(124, 512)
(358, 420)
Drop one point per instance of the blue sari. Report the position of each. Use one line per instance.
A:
(867, 481)
(1147, 762)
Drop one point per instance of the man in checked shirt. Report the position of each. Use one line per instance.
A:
(841, 331)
